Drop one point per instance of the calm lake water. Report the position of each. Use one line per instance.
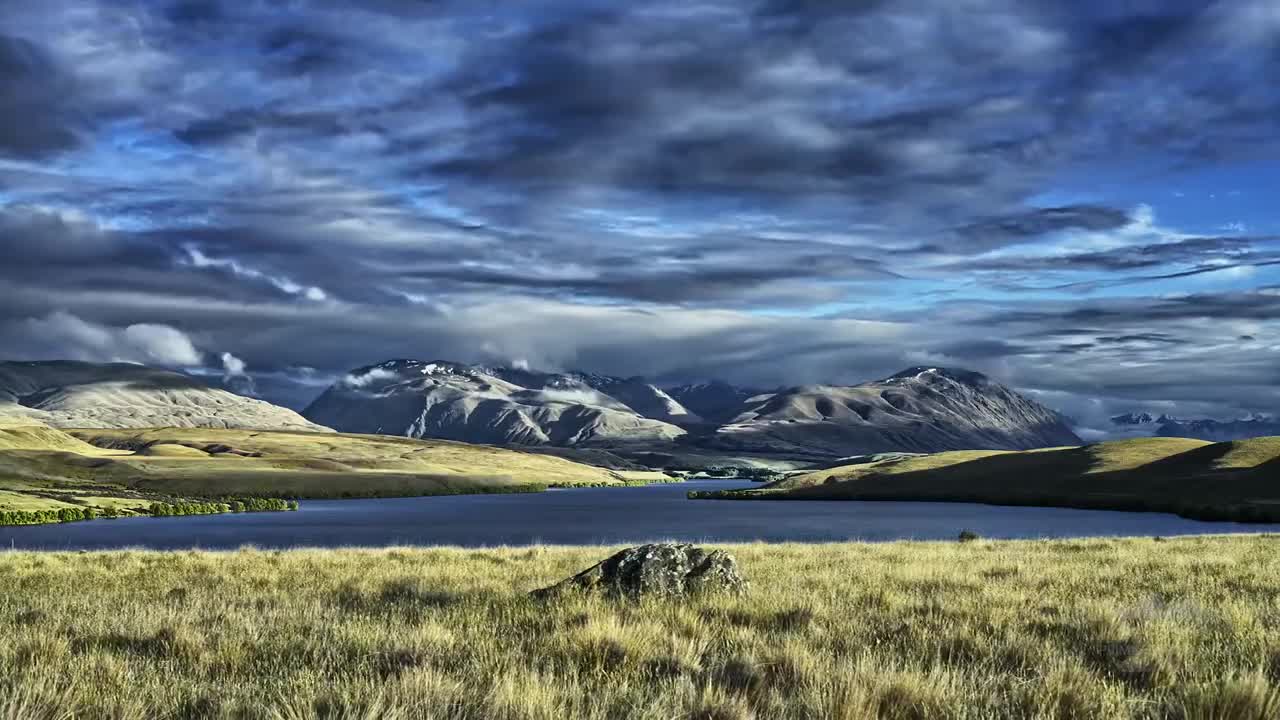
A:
(597, 516)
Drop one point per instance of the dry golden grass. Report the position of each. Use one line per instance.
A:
(1105, 629)
(51, 468)
(1210, 481)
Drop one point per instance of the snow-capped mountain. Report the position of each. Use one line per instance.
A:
(1199, 428)
(473, 403)
(917, 410)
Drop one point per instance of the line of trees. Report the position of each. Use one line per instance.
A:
(157, 509)
(232, 505)
(61, 515)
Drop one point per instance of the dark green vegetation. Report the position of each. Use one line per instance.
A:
(1234, 481)
(49, 475)
(156, 509)
(1090, 630)
(213, 508)
(69, 514)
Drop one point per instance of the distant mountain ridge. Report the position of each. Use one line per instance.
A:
(71, 394)
(507, 406)
(714, 401)
(921, 409)
(917, 410)
(1201, 428)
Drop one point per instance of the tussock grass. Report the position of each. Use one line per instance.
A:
(1207, 481)
(1106, 629)
(43, 469)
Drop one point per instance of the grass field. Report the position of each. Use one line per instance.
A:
(1186, 628)
(1211, 481)
(46, 469)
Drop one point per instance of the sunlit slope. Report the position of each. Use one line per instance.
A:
(1229, 480)
(30, 434)
(41, 467)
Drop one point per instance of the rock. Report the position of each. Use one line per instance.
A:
(662, 569)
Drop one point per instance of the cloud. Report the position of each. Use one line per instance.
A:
(235, 377)
(369, 377)
(232, 365)
(82, 340)
(37, 113)
(585, 397)
(772, 191)
(198, 259)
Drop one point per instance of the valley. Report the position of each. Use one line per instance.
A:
(73, 440)
(124, 472)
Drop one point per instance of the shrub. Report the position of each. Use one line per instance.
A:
(968, 536)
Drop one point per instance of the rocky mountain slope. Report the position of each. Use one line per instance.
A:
(917, 410)
(501, 406)
(1201, 429)
(714, 401)
(122, 395)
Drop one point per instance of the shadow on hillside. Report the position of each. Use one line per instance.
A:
(1002, 473)
(1186, 483)
(1197, 461)
(1269, 470)
(166, 382)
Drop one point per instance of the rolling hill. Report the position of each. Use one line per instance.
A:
(1236, 480)
(128, 469)
(123, 395)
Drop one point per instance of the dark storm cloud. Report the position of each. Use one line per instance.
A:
(1042, 221)
(772, 191)
(623, 97)
(37, 115)
(1131, 257)
(234, 124)
(194, 12)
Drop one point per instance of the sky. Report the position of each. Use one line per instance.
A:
(1076, 198)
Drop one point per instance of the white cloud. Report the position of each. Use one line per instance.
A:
(64, 335)
(234, 375)
(197, 259)
(365, 379)
(585, 397)
(232, 365)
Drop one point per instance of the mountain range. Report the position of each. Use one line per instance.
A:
(499, 406)
(1198, 428)
(917, 410)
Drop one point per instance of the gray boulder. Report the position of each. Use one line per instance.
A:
(660, 569)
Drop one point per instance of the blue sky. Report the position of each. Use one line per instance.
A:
(1076, 198)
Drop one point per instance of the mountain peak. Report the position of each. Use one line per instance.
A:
(923, 372)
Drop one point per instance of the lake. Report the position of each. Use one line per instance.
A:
(597, 516)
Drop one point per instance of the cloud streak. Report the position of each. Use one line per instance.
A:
(1073, 197)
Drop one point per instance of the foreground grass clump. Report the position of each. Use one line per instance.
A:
(1186, 628)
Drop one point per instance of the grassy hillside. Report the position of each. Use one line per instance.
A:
(1089, 630)
(1237, 480)
(46, 469)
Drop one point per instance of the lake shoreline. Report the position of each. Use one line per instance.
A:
(598, 516)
